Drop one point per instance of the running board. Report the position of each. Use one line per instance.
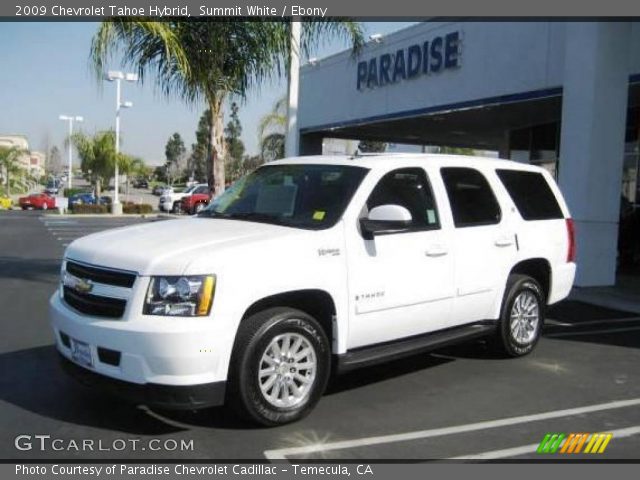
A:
(384, 352)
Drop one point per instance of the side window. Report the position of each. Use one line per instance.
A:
(531, 194)
(201, 190)
(409, 188)
(473, 203)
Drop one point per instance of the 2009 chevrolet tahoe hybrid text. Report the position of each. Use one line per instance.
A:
(311, 264)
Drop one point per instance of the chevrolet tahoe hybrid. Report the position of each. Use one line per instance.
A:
(311, 265)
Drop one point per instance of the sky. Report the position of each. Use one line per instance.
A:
(45, 72)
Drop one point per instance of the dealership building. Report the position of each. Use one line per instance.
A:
(563, 95)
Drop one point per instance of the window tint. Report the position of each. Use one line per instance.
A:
(201, 190)
(409, 188)
(531, 194)
(472, 200)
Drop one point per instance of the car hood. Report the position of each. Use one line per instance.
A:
(168, 247)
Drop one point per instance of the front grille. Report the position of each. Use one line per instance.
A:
(101, 275)
(94, 305)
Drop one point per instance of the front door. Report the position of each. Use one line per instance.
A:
(400, 284)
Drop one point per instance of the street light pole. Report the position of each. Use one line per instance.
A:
(117, 76)
(70, 119)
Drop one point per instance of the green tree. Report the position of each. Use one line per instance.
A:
(233, 132)
(97, 157)
(200, 151)
(371, 146)
(457, 151)
(174, 152)
(210, 60)
(10, 163)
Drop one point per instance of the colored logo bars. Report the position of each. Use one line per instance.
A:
(574, 443)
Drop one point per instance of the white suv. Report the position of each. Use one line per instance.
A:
(310, 264)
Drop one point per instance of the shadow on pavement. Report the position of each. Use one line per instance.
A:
(383, 371)
(33, 380)
(593, 324)
(46, 270)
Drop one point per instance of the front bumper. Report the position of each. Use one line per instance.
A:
(145, 350)
(182, 397)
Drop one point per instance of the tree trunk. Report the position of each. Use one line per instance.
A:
(215, 170)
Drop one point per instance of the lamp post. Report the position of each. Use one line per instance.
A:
(117, 76)
(70, 119)
(291, 139)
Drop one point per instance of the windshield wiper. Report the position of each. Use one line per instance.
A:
(255, 216)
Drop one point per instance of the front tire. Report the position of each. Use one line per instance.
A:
(198, 208)
(521, 317)
(176, 208)
(280, 366)
(45, 206)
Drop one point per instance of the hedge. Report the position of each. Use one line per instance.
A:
(140, 208)
(88, 208)
(68, 192)
(127, 207)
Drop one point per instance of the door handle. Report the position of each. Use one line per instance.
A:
(436, 251)
(505, 241)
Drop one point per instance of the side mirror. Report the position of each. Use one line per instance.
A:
(385, 219)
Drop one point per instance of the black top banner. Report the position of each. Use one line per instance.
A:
(384, 9)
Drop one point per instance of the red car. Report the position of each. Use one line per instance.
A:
(39, 201)
(195, 202)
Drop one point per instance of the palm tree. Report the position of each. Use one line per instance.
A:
(272, 131)
(210, 61)
(9, 161)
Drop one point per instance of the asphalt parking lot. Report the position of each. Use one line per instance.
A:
(458, 402)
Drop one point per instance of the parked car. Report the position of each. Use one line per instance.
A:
(312, 265)
(5, 202)
(82, 198)
(158, 189)
(140, 183)
(38, 201)
(52, 187)
(196, 201)
(88, 198)
(170, 200)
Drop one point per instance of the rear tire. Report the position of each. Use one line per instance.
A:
(521, 316)
(279, 367)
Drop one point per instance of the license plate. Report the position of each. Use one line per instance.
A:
(81, 353)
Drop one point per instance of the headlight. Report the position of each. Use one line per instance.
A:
(189, 296)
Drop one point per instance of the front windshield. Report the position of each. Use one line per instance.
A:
(304, 196)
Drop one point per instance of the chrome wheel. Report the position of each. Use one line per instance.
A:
(287, 370)
(525, 316)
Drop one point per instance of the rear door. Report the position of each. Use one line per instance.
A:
(483, 240)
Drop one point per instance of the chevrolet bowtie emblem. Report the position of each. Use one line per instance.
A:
(82, 286)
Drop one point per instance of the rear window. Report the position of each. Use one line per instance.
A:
(531, 193)
(472, 200)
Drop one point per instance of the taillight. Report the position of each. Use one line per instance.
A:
(571, 237)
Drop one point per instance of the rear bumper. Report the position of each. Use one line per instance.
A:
(173, 397)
